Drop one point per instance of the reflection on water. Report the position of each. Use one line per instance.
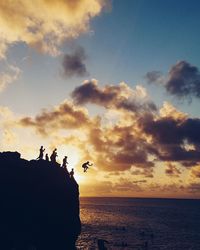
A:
(140, 223)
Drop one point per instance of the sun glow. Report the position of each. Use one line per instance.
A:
(71, 152)
(79, 177)
(74, 157)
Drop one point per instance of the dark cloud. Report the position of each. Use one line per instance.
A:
(167, 130)
(170, 136)
(153, 76)
(183, 80)
(112, 96)
(134, 106)
(90, 92)
(74, 64)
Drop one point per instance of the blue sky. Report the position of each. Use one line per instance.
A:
(125, 43)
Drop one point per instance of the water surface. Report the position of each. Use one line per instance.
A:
(130, 223)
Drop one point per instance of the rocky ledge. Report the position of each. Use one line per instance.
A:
(39, 206)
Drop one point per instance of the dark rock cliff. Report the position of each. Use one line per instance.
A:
(39, 205)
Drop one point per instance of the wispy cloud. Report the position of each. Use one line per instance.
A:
(9, 76)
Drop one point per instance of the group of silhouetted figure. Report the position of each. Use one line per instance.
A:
(53, 156)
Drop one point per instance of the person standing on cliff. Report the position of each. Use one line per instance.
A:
(41, 155)
(64, 165)
(54, 155)
(71, 174)
(46, 157)
(86, 165)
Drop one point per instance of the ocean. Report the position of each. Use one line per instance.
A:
(137, 223)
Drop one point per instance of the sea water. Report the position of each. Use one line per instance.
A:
(130, 223)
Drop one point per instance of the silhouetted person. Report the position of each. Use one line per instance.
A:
(101, 245)
(54, 155)
(46, 157)
(41, 155)
(86, 165)
(64, 164)
(71, 174)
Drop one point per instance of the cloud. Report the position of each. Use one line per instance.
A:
(9, 76)
(172, 170)
(64, 116)
(8, 119)
(196, 171)
(174, 140)
(170, 189)
(74, 64)
(194, 187)
(145, 172)
(89, 92)
(118, 148)
(140, 181)
(136, 141)
(182, 81)
(113, 148)
(9, 137)
(168, 110)
(5, 113)
(112, 96)
(122, 186)
(154, 77)
(125, 185)
(45, 25)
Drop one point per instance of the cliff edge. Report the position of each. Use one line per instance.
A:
(39, 206)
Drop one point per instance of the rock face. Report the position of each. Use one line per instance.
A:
(39, 205)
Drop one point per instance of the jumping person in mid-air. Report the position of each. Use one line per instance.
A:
(86, 165)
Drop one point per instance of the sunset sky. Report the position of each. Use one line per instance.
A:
(116, 83)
